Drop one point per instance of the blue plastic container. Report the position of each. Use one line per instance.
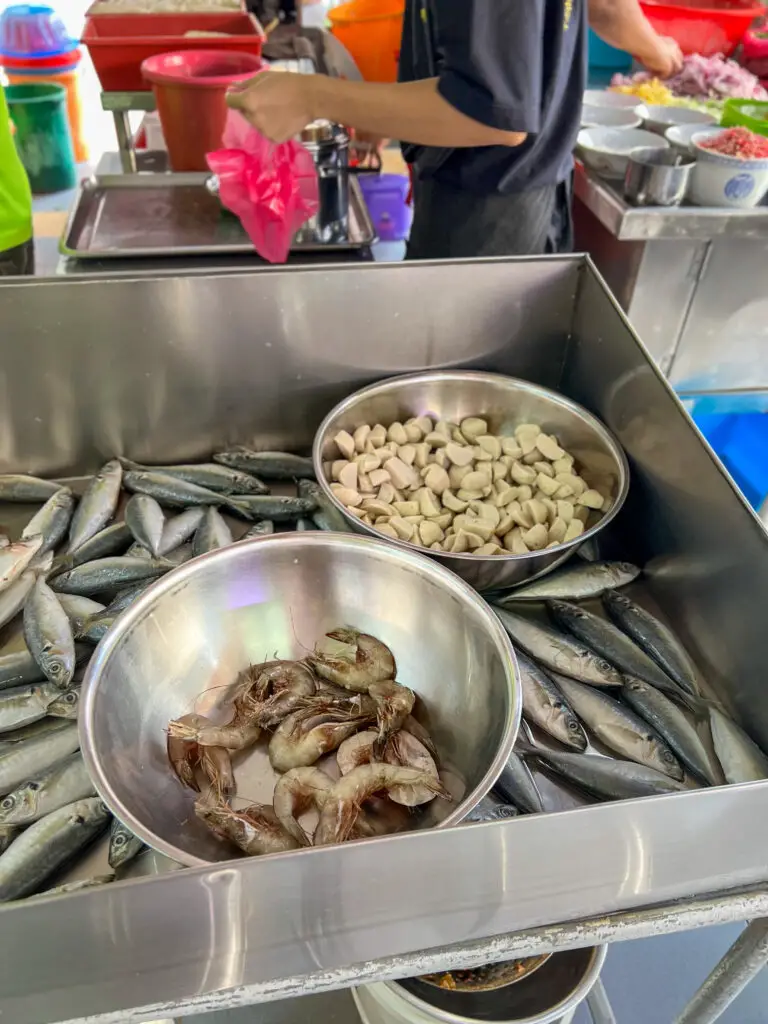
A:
(28, 30)
(737, 429)
(601, 55)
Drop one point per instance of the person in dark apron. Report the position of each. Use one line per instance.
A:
(488, 107)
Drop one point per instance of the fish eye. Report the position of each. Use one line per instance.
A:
(604, 665)
(119, 840)
(574, 725)
(666, 755)
(8, 803)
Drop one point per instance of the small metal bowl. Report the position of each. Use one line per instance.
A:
(505, 402)
(180, 646)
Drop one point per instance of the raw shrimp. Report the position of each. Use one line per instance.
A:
(255, 829)
(353, 660)
(279, 689)
(394, 704)
(356, 750)
(237, 735)
(297, 791)
(404, 749)
(306, 735)
(342, 807)
(185, 755)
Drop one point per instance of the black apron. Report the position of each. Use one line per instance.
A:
(451, 223)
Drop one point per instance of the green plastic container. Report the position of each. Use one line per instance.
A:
(751, 114)
(43, 138)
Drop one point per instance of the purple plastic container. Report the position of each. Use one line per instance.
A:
(385, 196)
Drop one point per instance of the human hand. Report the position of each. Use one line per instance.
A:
(666, 59)
(277, 105)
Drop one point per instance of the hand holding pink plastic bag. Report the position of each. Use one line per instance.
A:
(271, 187)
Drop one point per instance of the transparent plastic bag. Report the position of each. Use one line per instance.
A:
(271, 187)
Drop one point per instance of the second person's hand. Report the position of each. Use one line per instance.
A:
(277, 104)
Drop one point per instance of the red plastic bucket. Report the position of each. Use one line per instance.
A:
(190, 88)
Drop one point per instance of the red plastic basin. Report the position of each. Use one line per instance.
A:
(190, 88)
(705, 28)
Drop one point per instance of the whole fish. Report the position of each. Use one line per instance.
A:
(124, 598)
(607, 640)
(263, 529)
(13, 597)
(108, 574)
(557, 651)
(123, 845)
(68, 887)
(180, 528)
(326, 516)
(7, 834)
(655, 638)
(146, 521)
(217, 478)
(671, 723)
(48, 844)
(516, 786)
(741, 758)
(60, 785)
(52, 521)
(577, 581)
(23, 705)
(95, 629)
(175, 493)
(14, 559)
(18, 668)
(29, 732)
(545, 705)
(606, 777)
(112, 540)
(79, 610)
(212, 533)
(97, 506)
(48, 633)
(17, 487)
(270, 465)
(277, 507)
(22, 761)
(619, 728)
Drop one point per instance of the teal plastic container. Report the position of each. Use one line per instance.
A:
(43, 137)
(606, 57)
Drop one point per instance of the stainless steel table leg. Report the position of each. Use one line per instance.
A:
(599, 1007)
(124, 141)
(738, 967)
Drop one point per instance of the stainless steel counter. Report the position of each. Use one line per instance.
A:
(691, 280)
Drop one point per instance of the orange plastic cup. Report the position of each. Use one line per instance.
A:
(371, 30)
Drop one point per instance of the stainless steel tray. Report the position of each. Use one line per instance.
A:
(125, 215)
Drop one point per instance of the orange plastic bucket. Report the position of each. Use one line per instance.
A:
(71, 82)
(371, 30)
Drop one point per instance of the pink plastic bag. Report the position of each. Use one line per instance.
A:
(271, 188)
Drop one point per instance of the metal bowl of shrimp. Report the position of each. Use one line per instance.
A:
(372, 644)
(502, 404)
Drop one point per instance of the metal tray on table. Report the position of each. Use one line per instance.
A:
(122, 215)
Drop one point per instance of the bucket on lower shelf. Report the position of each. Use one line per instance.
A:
(190, 88)
(43, 138)
(545, 997)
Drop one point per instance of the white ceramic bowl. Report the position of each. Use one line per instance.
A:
(719, 180)
(606, 150)
(604, 98)
(659, 117)
(609, 117)
(680, 135)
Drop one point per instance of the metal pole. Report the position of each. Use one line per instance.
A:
(599, 1007)
(737, 968)
(124, 141)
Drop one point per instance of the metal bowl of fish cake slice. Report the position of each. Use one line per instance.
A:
(179, 647)
(504, 402)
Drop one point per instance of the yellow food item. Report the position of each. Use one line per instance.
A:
(650, 92)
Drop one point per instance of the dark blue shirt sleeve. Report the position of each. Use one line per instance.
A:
(490, 59)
